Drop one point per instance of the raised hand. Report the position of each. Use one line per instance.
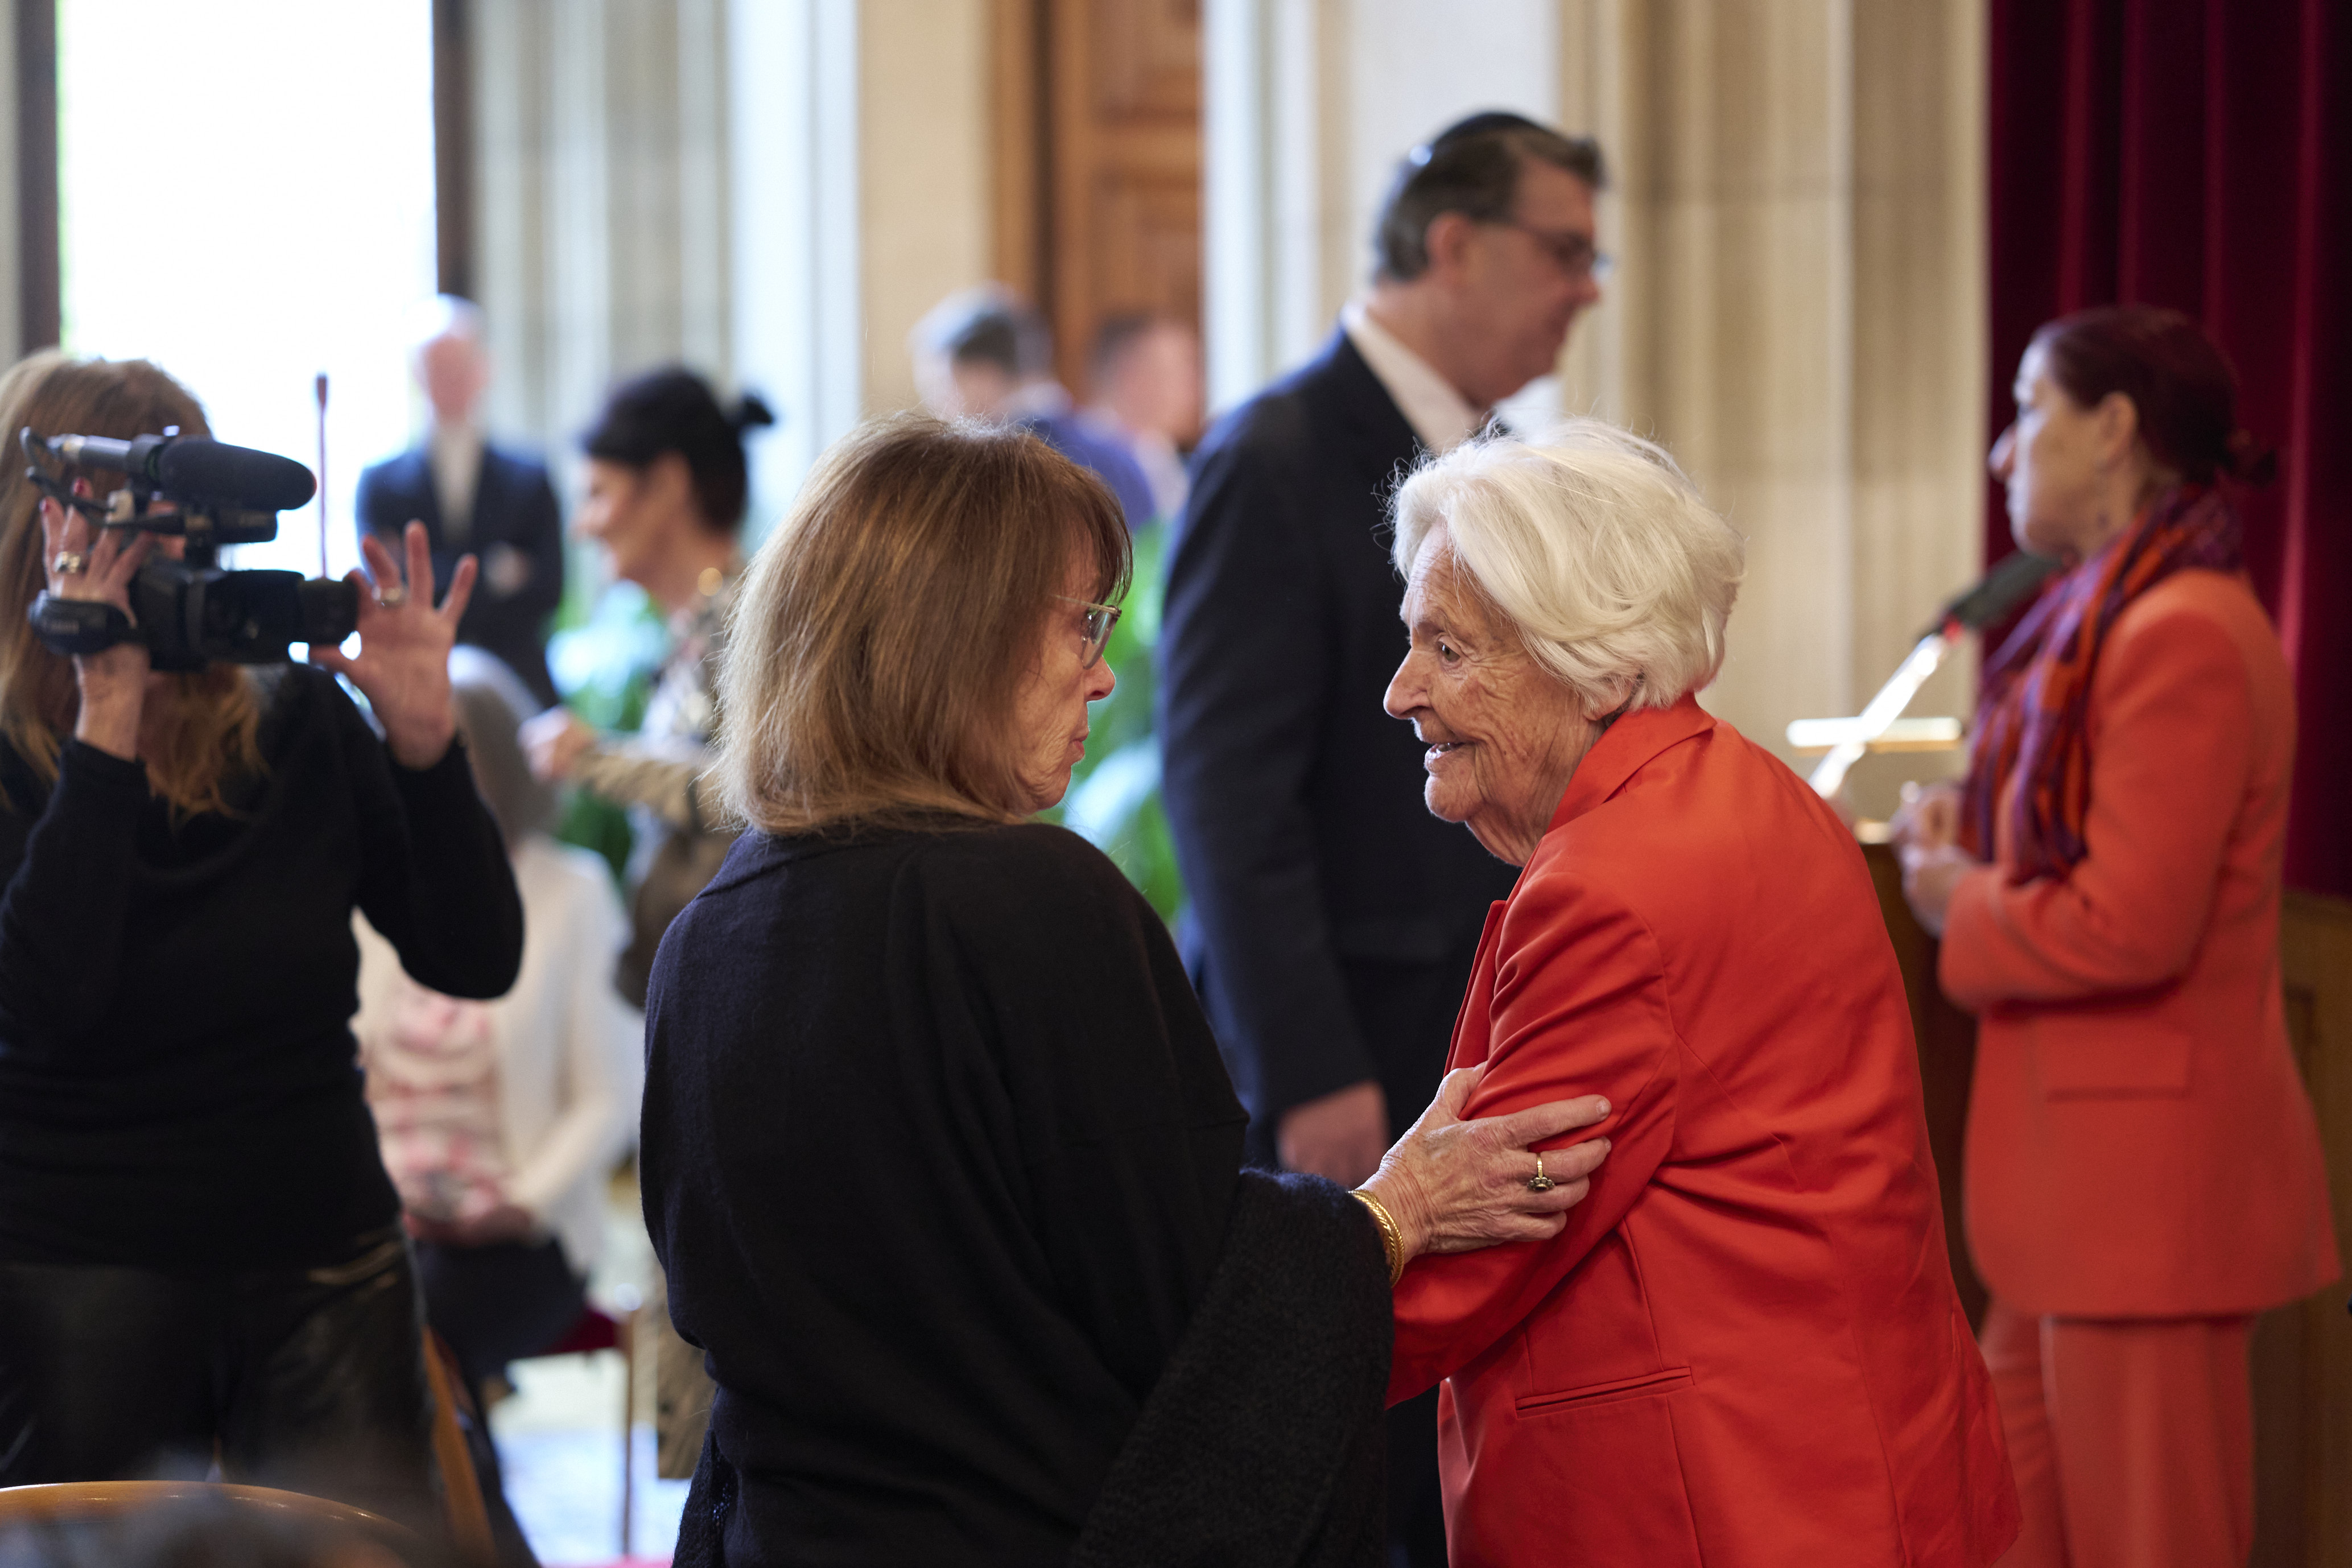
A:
(402, 665)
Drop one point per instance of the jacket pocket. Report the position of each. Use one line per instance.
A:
(2107, 1057)
(1672, 1380)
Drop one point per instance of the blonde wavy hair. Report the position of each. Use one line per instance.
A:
(202, 733)
(882, 634)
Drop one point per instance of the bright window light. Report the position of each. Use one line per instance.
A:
(246, 199)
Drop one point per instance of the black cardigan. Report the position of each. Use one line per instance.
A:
(940, 1158)
(179, 1087)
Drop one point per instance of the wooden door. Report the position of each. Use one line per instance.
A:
(2303, 1354)
(1099, 158)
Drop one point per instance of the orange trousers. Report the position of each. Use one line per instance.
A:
(2132, 1440)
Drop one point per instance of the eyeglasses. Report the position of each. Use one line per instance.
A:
(1570, 252)
(1100, 618)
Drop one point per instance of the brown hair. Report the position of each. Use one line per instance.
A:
(209, 721)
(2178, 382)
(878, 646)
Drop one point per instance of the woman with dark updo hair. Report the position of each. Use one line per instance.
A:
(2143, 1169)
(666, 488)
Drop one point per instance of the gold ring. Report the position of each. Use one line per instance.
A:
(1540, 1183)
(391, 598)
(69, 564)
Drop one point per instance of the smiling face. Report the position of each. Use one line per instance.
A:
(637, 514)
(1050, 714)
(1504, 734)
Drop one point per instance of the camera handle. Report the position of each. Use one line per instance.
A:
(71, 627)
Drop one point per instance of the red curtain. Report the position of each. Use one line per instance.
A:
(2198, 154)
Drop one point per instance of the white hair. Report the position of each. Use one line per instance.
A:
(444, 316)
(1601, 553)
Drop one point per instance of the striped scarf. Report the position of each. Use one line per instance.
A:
(2031, 718)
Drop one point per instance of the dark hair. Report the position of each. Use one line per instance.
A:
(989, 325)
(674, 410)
(2178, 381)
(1118, 335)
(1470, 167)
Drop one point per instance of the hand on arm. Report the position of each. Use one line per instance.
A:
(1579, 1010)
(1452, 1184)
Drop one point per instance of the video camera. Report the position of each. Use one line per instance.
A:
(190, 612)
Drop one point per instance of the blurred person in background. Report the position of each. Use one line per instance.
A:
(501, 1120)
(667, 485)
(984, 354)
(1333, 920)
(200, 1257)
(473, 496)
(1147, 387)
(2144, 1173)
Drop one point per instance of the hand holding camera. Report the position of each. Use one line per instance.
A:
(86, 562)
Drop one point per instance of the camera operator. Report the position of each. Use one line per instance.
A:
(200, 1252)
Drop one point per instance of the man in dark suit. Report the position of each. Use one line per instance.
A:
(1333, 919)
(474, 497)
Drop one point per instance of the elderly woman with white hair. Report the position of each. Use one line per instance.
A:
(1745, 1347)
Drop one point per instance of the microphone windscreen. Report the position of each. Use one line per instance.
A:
(201, 469)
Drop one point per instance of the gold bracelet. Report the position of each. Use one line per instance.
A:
(1392, 1239)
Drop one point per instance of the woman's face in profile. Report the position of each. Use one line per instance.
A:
(635, 513)
(2048, 461)
(1050, 716)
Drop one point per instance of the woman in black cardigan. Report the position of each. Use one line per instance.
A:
(200, 1253)
(939, 1153)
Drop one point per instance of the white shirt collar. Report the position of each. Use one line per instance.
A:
(1439, 415)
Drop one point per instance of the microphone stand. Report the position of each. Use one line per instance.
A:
(2001, 590)
(320, 387)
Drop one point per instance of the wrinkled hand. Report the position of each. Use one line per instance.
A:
(1455, 1187)
(113, 681)
(554, 742)
(1339, 1137)
(402, 665)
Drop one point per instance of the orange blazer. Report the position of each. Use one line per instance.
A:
(2139, 1140)
(1745, 1348)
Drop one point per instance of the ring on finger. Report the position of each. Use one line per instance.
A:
(1540, 1183)
(391, 598)
(69, 564)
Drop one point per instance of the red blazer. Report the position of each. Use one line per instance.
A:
(2139, 1140)
(1746, 1348)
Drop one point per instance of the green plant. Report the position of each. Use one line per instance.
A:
(1114, 798)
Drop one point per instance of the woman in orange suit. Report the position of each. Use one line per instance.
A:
(2143, 1170)
(1745, 1348)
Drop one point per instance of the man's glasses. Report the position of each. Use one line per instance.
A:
(1100, 618)
(1570, 252)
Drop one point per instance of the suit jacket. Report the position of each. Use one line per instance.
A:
(1332, 918)
(2139, 1142)
(1745, 1348)
(514, 507)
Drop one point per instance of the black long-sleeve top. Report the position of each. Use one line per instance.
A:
(938, 1155)
(179, 1086)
